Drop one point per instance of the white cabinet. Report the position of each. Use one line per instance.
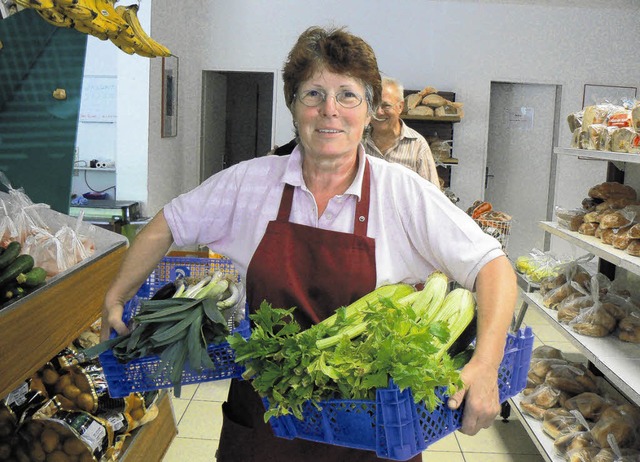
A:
(618, 361)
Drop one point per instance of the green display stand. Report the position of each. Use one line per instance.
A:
(37, 131)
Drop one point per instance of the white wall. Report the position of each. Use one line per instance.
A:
(458, 46)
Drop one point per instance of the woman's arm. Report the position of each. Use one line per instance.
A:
(496, 292)
(148, 248)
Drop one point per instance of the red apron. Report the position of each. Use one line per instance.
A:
(317, 271)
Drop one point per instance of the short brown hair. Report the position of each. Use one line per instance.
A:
(338, 51)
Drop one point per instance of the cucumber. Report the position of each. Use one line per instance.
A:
(22, 264)
(32, 278)
(10, 254)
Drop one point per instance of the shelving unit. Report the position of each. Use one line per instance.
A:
(40, 325)
(618, 361)
(93, 169)
(429, 126)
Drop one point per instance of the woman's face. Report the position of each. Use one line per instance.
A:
(330, 129)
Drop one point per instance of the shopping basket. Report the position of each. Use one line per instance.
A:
(498, 229)
(148, 373)
(393, 425)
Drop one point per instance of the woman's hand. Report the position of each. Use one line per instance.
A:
(480, 395)
(112, 319)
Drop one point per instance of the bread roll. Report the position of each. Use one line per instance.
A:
(573, 442)
(614, 220)
(621, 239)
(612, 189)
(547, 352)
(629, 328)
(584, 454)
(412, 101)
(590, 405)
(634, 231)
(573, 379)
(420, 111)
(633, 248)
(533, 410)
(588, 229)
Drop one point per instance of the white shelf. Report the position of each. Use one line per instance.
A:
(599, 155)
(543, 442)
(619, 361)
(92, 169)
(595, 246)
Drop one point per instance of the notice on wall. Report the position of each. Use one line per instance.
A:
(520, 118)
(98, 101)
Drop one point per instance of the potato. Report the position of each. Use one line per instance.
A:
(63, 381)
(49, 439)
(49, 376)
(82, 382)
(85, 402)
(71, 391)
(37, 452)
(74, 447)
(57, 456)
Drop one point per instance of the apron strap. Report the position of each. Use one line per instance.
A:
(361, 218)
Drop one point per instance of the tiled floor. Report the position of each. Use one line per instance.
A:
(198, 413)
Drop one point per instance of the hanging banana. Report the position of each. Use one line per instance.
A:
(102, 19)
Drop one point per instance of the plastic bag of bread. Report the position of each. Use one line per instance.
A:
(575, 120)
(620, 455)
(615, 203)
(618, 306)
(573, 272)
(570, 219)
(587, 292)
(619, 117)
(547, 352)
(633, 248)
(611, 189)
(588, 229)
(570, 307)
(594, 321)
(586, 454)
(593, 136)
(8, 230)
(622, 139)
(560, 421)
(574, 378)
(590, 405)
(596, 114)
(573, 442)
(622, 422)
(604, 143)
(617, 218)
(629, 328)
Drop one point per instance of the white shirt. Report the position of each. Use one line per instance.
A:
(416, 228)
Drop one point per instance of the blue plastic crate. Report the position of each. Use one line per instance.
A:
(393, 425)
(148, 373)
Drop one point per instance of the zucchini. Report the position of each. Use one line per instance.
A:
(32, 278)
(10, 253)
(22, 264)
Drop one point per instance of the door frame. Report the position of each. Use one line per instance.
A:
(206, 112)
(555, 141)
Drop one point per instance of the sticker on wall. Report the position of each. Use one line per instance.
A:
(520, 118)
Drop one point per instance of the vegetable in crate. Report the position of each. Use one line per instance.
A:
(352, 353)
(179, 329)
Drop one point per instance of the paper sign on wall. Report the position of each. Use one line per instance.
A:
(521, 118)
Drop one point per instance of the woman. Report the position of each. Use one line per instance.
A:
(323, 226)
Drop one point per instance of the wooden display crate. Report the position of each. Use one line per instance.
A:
(35, 328)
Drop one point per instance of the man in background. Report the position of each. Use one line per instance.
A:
(391, 139)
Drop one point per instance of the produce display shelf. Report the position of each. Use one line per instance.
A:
(38, 326)
(150, 442)
(609, 156)
(595, 246)
(619, 361)
(534, 428)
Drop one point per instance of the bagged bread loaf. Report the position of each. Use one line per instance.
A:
(575, 120)
(586, 454)
(633, 248)
(629, 328)
(621, 455)
(570, 219)
(619, 117)
(611, 189)
(617, 219)
(412, 101)
(573, 378)
(594, 133)
(622, 422)
(559, 421)
(594, 321)
(566, 444)
(622, 139)
(604, 141)
(547, 352)
(588, 229)
(621, 238)
(635, 118)
(590, 405)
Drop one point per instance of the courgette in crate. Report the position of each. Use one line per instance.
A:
(32, 278)
(10, 253)
(21, 264)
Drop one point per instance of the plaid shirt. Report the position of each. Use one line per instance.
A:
(411, 150)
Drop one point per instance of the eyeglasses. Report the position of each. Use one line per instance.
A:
(345, 98)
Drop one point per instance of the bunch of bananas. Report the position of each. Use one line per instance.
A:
(102, 19)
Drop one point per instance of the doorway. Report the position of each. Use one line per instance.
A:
(237, 118)
(520, 170)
